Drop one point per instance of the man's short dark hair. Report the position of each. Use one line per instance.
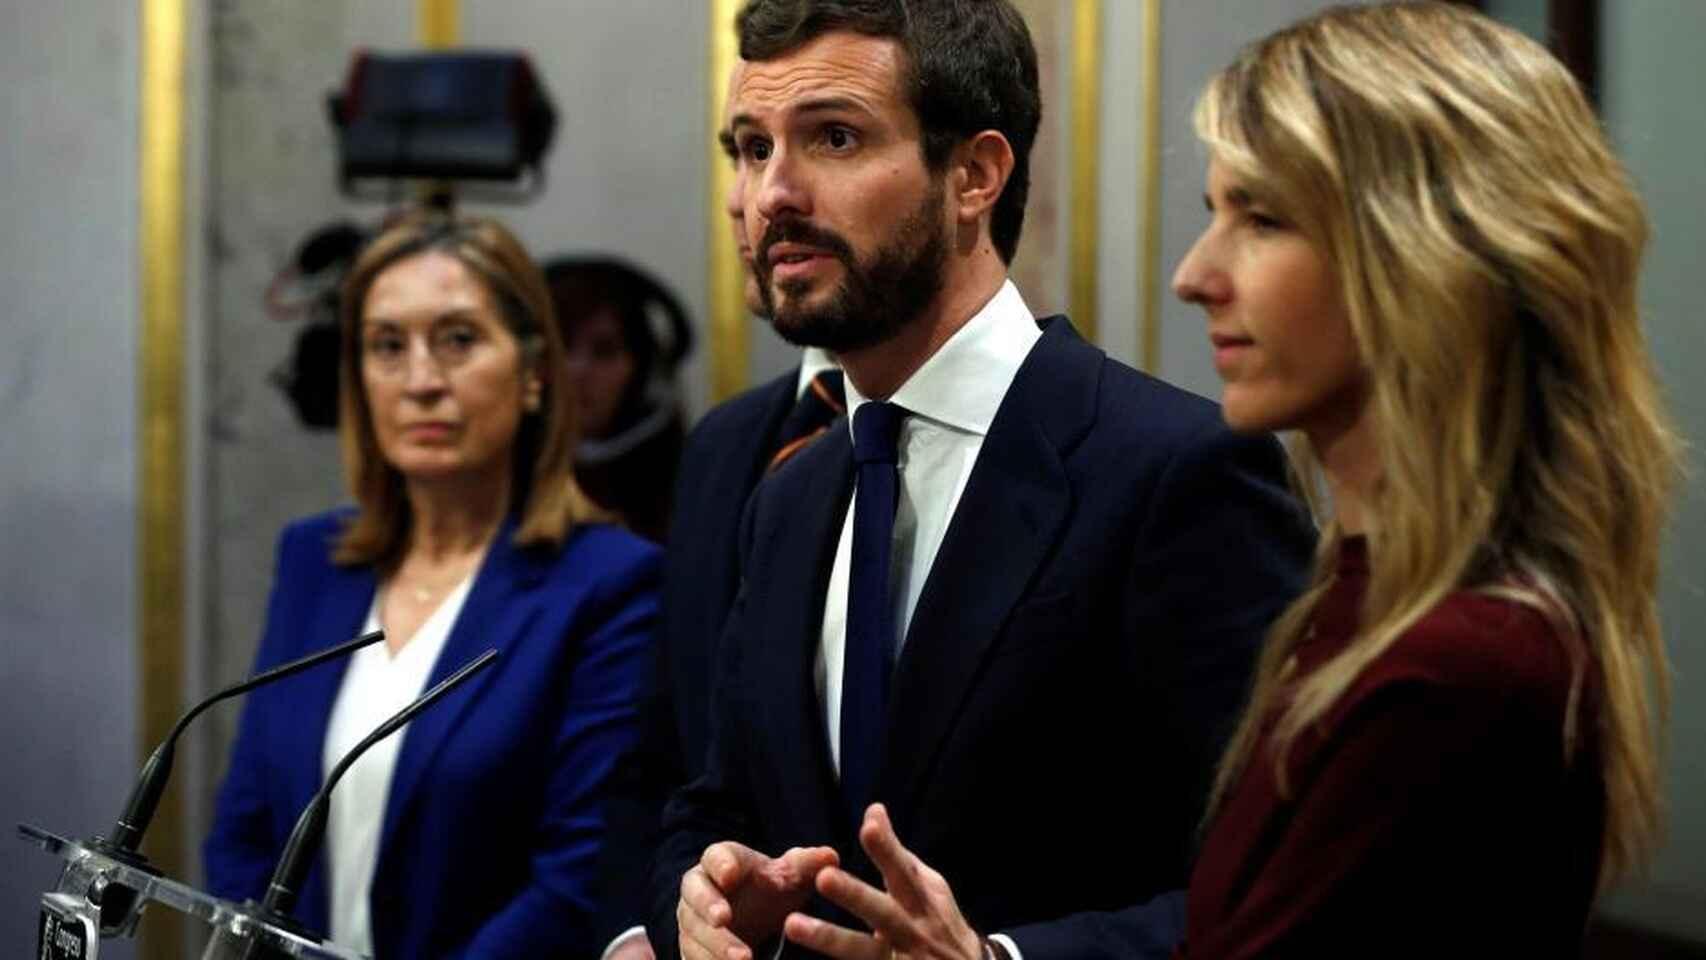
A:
(970, 67)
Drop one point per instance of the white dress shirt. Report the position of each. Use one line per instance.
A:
(813, 361)
(950, 400)
(377, 685)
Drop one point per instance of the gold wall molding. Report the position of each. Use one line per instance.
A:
(1149, 151)
(160, 457)
(730, 326)
(1086, 144)
(438, 22)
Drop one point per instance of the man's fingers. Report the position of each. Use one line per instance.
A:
(900, 869)
(866, 902)
(692, 950)
(703, 941)
(831, 940)
(727, 863)
(704, 899)
(800, 865)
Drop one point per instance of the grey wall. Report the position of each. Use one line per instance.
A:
(1650, 79)
(68, 361)
(1529, 16)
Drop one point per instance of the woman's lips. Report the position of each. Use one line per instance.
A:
(1228, 349)
(433, 430)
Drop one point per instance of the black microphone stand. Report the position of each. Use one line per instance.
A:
(145, 797)
(310, 830)
(118, 902)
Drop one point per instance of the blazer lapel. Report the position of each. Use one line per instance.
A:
(817, 492)
(1013, 510)
(340, 611)
(495, 614)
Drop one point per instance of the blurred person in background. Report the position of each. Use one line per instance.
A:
(621, 364)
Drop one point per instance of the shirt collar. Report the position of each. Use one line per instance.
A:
(813, 361)
(962, 383)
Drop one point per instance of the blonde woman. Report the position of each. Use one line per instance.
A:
(1422, 258)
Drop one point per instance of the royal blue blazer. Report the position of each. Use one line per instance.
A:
(495, 817)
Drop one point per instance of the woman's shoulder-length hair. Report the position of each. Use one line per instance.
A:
(544, 498)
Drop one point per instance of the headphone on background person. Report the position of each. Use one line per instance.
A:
(655, 329)
(309, 286)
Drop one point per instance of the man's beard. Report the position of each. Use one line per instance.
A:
(874, 301)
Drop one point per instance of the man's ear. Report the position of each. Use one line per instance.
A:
(982, 165)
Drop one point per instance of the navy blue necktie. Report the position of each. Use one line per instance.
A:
(869, 655)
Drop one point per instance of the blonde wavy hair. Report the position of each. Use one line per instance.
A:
(1487, 245)
(543, 489)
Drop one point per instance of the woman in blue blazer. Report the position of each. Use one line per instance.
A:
(475, 831)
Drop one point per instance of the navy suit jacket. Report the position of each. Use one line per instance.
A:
(724, 459)
(494, 820)
(1079, 654)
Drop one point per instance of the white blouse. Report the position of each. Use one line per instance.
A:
(377, 685)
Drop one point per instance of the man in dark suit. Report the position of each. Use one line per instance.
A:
(1007, 611)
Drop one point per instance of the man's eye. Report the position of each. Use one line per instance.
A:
(755, 149)
(838, 138)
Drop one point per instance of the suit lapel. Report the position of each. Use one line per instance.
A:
(778, 404)
(748, 448)
(814, 490)
(496, 614)
(1014, 508)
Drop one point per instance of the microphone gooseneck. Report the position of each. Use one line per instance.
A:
(145, 797)
(310, 828)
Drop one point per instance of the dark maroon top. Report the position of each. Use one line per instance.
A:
(1432, 812)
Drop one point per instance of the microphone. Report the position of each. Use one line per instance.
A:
(310, 827)
(139, 811)
(241, 941)
(119, 904)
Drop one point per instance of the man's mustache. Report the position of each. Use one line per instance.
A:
(803, 233)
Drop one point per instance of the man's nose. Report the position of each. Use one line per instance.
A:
(782, 189)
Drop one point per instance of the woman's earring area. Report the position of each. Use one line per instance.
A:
(530, 397)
